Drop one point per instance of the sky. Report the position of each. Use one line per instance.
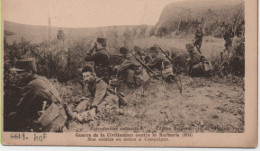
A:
(84, 13)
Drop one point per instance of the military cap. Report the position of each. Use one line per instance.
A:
(123, 50)
(103, 41)
(189, 46)
(137, 49)
(147, 59)
(154, 49)
(166, 62)
(27, 64)
(202, 58)
(87, 68)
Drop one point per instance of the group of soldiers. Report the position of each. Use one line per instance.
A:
(41, 107)
(233, 56)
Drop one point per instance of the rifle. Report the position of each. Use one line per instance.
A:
(122, 100)
(179, 86)
(168, 58)
(147, 68)
(92, 50)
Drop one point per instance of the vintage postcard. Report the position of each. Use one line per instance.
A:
(142, 73)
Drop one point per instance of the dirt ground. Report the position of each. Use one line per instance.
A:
(206, 105)
(211, 104)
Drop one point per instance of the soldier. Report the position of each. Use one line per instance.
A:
(241, 29)
(196, 62)
(198, 38)
(129, 68)
(138, 53)
(156, 59)
(98, 95)
(99, 55)
(238, 60)
(228, 40)
(39, 107)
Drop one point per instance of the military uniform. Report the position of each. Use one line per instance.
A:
(195, 65)
(100, 57)
(36, 98)
(228, 39)
(241, 30)
(155, 62)
(129, 68)
(238, 60)
(99, 96)
(198, 38)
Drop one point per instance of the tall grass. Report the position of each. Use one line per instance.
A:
(60, 60)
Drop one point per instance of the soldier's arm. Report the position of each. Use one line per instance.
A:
(155, 62)
(127, 63)
(32, 99)
(151, 64)
(93, 47)
(87, 93)
(90, 54)
(89, 57)
(101, 89)
(199, 33)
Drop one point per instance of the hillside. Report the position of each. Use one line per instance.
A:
(185, 16)
(36, 34)
(176, 18)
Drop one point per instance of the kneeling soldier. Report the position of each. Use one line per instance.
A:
(128, 69)
(197, 63)
(39, 107)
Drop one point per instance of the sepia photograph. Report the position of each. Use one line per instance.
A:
(141, 71)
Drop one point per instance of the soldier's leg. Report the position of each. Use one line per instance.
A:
(200, 43)
(197, 45)
(109, 104)
(83, 106)
(130, 78)
(197, 70)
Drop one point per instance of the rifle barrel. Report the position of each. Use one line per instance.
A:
(141, 62)
(168, 58)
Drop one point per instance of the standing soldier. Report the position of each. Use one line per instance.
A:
(40, 107)
(228, 40)
(198, 38)
(99, 55)
(241, 29)
(61, 35)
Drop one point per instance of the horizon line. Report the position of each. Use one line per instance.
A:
(76, 27)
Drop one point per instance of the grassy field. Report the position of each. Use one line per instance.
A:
(207, 104)
(211, 46)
